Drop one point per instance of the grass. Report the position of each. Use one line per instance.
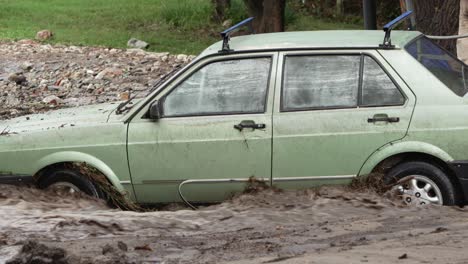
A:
(182, 26)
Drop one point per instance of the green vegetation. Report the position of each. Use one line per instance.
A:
(182, 26)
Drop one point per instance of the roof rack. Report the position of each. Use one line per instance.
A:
(387, 42)
(227, 33)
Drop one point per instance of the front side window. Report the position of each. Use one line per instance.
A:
(223, 87)
(336, 81)
(446, 68)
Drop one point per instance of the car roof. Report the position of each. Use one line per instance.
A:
(325, 39)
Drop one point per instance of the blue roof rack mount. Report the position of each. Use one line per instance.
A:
(387, 43)
(226, 34)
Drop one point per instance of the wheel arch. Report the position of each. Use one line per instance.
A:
(68, 157)
(408, 148)
(389, 156)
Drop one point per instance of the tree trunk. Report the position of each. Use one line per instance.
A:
(220, 8)
(255, 9)
(273, 15)
(269, 14)
(462, 44)
(339, 8)
(438, 17)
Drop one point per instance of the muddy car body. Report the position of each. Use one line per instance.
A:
(295, 110)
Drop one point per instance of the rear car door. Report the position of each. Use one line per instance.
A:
(215, 125)
(332, 111)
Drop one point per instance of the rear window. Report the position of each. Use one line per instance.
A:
(449, 70)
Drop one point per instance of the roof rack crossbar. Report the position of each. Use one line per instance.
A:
(387, 43)
(227, 33)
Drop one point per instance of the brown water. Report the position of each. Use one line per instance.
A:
(330, 225)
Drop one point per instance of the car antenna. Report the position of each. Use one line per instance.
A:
(387, 42)
(226, 34)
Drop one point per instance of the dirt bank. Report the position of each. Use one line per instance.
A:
(331, 225)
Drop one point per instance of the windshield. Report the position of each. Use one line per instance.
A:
(126, 105)
(449, 70)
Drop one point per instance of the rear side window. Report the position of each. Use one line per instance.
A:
(225, 87)
(449, 70)
(377, 87)
(336, 81)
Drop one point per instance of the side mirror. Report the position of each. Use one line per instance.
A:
(155, 110)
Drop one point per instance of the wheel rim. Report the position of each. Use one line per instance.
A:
(419, 190)
(64, 188)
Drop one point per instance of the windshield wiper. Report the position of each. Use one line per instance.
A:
(121, 108)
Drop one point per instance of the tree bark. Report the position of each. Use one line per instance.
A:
(462, 44)
(255, 9)
(269, 15)
(220, 8)
(438, 17)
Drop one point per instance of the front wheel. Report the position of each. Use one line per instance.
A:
(67, 181)
(420, 183)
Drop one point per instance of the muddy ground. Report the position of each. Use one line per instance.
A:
(329, 225)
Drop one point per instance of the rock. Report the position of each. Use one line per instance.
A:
(53, 88)
(11, 100)
(34, 252)
(107, 249)
(52, 100)
(122, 246)
(43, 83)
(27, 42)
(182, 58)
(26, 66)
(137, 44)
(227, 23)
(109, 73)
(44, 35)
(17, 78)
(124, 96)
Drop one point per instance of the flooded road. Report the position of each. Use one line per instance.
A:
(328, 225)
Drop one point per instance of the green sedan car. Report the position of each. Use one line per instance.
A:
(295, 110)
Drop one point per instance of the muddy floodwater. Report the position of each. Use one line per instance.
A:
(329, 225)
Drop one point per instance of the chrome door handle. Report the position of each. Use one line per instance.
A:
(383, 118)
(249, 124)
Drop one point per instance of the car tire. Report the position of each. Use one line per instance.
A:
(428, 174)
(72, 179)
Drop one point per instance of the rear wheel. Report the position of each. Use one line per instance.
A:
(420, 183)
(67, 181)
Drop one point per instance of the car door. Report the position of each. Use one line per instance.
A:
(216, 125)
(332, 111)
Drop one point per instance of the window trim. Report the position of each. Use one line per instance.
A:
(440, 47)
(267, 91)
(360, 83)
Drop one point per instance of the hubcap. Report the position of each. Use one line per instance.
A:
(64, 188)
(419, 190)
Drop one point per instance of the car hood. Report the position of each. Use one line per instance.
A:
(66, 117)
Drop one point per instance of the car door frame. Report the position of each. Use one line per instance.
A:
(142, 110)
(410, 101)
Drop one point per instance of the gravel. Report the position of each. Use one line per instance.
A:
(37, 77)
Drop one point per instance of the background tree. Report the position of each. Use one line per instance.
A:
(269, 14)
(220, 8)
(462, 45)
(438, 17)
